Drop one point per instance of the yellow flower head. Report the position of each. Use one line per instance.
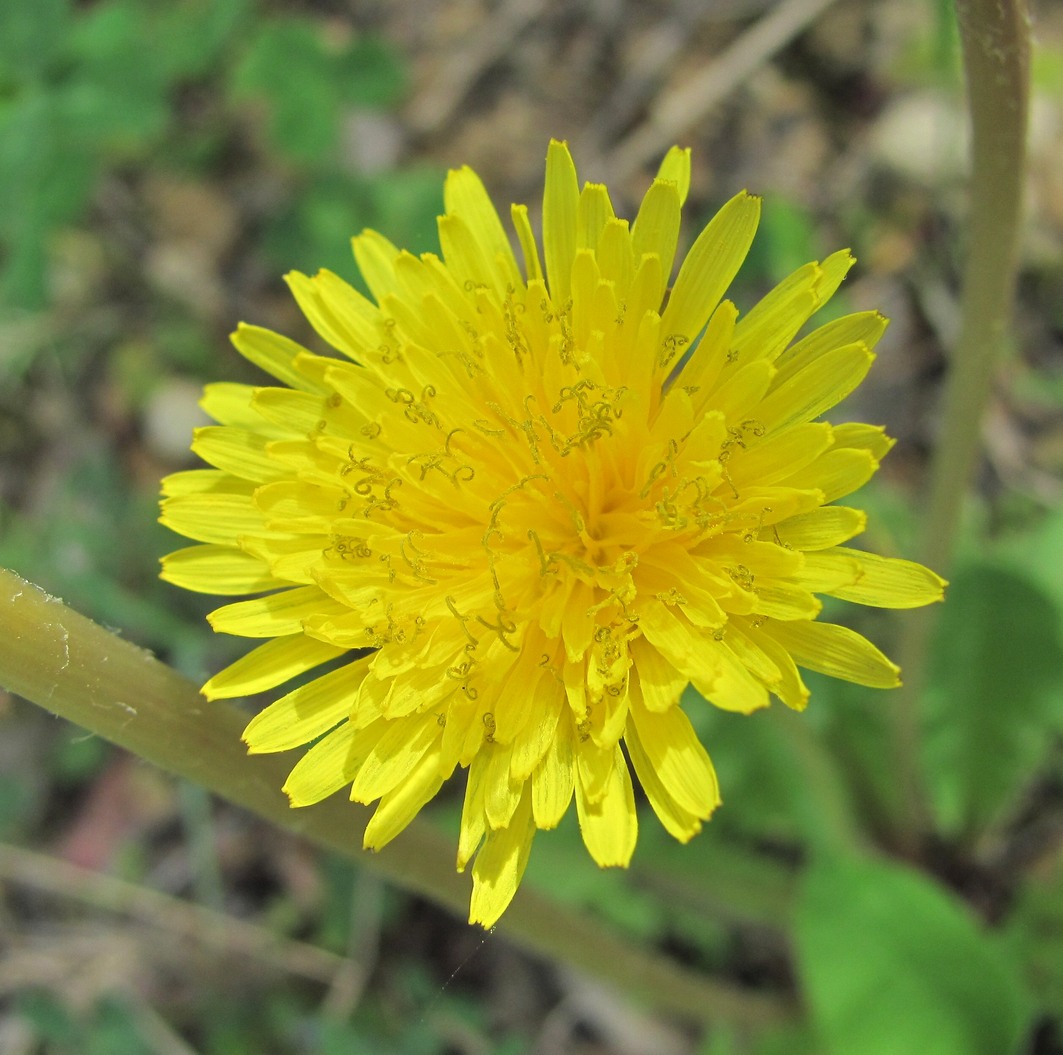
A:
(534, 503)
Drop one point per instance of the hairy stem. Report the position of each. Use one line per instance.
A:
(996, 42)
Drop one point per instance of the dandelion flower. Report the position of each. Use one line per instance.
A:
(532, 502)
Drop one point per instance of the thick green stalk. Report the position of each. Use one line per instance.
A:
(67, 664)
(996, 44)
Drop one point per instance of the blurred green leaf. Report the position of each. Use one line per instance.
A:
(893, 964)
(786, 236)
(560, 863)
(761, 783)
(788, 1040)
(305, 78)
(114, 1031)
(405, 207)
(17, 802)
(995, 694)
(42, 184)
(77, 758)
(117, 97)
(48, 1018)
(197, 32)
(286, 64)
(713, 875)
(1035, 932)
(371, 74)
(61, 123)
(315, 231)
(1035, 552)
(31, 32)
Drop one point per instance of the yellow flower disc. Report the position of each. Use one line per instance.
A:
(535, 501)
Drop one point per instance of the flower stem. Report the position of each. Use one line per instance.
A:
(996, 42)
(67, 664)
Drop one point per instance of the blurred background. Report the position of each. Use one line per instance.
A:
(162, 166)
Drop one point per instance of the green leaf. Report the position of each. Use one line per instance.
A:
(995, 696)
(892, 964)
(114, 1031)
(1036, 551)
(43, 184)
(116, 100)
(30, 34)
(287, 66)
(46, 1018)
(371, 73)
(314, 231)
(197, 32)
(406, 204)
(304, 76)
(764, 793)
(1035, 932)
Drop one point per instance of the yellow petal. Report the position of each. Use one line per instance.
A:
(734, 688)
(465, 257)
(554, 778)
(400, 805)
(401, 746)
(530, 251)
(656, 228)
(706, 362)
(820, 528)
(837, 473)
(776, 457)
(857, 436)
(818, 387)
(273, 616)
(215, 518)
(269, 665)
(204, 481)
(344, 318)
(610, 825)
(219, 570)
(593, 212)
(500, 865)
(298, 413)
(710, 266)
(889, 582)
(464, 196)
(502, 794)
(680, 823)
(617, 261)
(751, 655)
(307, 712)
(237, 451)
(229, 403)
(533, 743)
(772, 322)
(376, 256)
(865, 327)
(783, 600)
(835, 651)
(741, 395)
(660, 683)
(678, 642)
(788, 686)
(330, 764)
(675, 168)
(473, 820)
(273, 353)
(678, 758)
(560, 206)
